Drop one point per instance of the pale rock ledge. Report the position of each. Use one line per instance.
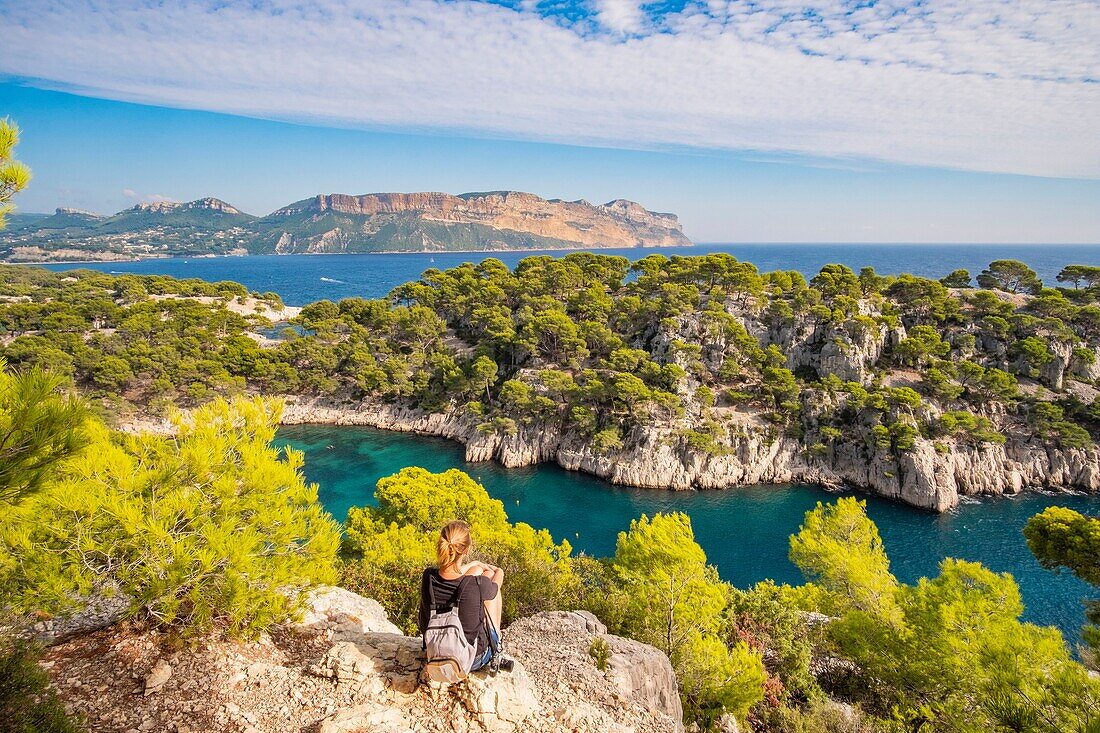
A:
(344, 667)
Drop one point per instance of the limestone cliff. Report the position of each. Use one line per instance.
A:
(344, 667)
(440, 221)
(656, 458)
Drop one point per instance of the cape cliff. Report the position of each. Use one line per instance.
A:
(440, 221)
(340, 223)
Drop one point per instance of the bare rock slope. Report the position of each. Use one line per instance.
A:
(344, 667)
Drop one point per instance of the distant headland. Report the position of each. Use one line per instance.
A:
(339, 223)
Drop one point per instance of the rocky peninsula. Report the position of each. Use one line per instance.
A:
(681, 373)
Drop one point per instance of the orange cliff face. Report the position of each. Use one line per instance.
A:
(619, 223)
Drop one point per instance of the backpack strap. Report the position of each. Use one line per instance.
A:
(430, 574)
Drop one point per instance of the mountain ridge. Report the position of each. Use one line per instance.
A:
(427, 221)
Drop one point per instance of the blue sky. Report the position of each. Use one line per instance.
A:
(754, 121)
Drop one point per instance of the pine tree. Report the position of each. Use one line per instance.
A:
(40, 427)
(14, 176)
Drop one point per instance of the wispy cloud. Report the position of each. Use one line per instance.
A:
(1001, 85)
(145, 198)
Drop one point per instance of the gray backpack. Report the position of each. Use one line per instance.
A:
(449, 655)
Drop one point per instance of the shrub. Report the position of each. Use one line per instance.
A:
(768, 619)
(27, 703)
(600, 653)
(213, 527)
(966, 427)
(949, 652)
(607, 440)
(40, 427)
(675, 601)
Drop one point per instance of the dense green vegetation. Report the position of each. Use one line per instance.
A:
(949, 653)
(213, 528)
(593, 347)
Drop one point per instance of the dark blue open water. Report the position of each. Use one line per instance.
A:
(743, 531)
(302, 279)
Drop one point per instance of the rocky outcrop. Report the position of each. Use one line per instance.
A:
(101, 608)
(205, 204)
(495, 220)
(555, 646)
(755, 453)
(345, 668)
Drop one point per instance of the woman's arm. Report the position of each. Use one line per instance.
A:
(489, 571)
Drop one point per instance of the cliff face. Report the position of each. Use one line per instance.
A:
(346, 668)
(656, 457)
(496, 220)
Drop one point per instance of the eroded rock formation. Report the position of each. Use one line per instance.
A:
(656, 457)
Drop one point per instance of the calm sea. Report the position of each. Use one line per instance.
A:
(302, 279)
(744, 531)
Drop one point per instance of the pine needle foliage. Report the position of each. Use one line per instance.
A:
(27, 704)
(211, 528)
(949, 653)
(40, 427)
(14, 176)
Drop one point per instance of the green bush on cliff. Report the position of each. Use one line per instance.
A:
(675, 601)
(388, 546)
(214, 527)
(41, 426)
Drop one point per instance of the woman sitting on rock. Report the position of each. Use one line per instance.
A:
(460, 592)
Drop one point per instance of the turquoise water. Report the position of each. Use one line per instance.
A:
(302, 279)
(744, 531)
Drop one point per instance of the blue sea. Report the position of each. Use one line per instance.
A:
(744, 531)
(302, 279)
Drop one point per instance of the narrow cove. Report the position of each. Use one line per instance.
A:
(743, 531)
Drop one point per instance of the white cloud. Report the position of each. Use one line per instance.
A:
(1001, 85)
(620, 16)
(145, 198)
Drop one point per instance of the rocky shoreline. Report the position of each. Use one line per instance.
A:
(925, 477)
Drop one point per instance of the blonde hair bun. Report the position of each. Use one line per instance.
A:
(453, 545)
